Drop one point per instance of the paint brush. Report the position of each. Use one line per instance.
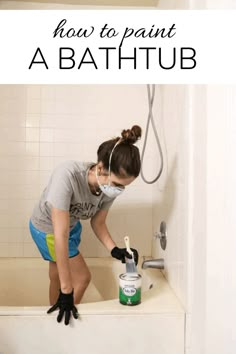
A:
(130, 263)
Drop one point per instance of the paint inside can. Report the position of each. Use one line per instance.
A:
(130, 289)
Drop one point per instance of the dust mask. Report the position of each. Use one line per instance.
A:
(107, 189)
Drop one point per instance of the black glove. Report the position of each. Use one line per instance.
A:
(121, 253)
(65, 303)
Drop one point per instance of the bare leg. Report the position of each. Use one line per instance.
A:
(54, 283)
(80, 277)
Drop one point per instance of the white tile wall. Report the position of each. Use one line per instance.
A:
(195, 306)
(170, 193)
(51, 124)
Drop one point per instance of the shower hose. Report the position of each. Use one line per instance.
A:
(151, 97)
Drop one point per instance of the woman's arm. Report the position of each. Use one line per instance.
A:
(60, 220)
(98, 223)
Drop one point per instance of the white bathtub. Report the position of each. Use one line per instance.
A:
(105, 326)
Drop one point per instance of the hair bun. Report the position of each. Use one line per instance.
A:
(131, 135)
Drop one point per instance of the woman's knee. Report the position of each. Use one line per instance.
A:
(83, 280)
(80, 286)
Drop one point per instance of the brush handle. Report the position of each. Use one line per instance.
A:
(126, 239)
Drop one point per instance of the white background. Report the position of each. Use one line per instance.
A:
(210, 33)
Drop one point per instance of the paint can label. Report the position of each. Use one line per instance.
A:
(130, 289)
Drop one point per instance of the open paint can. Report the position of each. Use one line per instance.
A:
(130, 288)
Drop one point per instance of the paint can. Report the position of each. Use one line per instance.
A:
(130, 289)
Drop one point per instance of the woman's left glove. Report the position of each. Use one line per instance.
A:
(65, 303)
(121, 253)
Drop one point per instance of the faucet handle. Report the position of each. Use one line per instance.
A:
(162, 235)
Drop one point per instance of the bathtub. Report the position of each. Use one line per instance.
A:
(104, 327)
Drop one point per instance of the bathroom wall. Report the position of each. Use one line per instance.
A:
(195, 196)
(181, 201)
(197, 221)
(171, 192)
(219, 277)
(212, 287)
(196, 199)
(40, 126)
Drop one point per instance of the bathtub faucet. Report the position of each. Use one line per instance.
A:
(153, 263)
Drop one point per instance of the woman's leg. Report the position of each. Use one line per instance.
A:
(54, 283)
(81, 276)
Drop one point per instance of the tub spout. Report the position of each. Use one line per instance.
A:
(153, 263)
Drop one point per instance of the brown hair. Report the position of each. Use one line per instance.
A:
(125, 159)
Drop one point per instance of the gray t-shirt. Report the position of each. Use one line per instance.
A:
(68, 189)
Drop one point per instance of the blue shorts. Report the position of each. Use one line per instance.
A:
(45, 242)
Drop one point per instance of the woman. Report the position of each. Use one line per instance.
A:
(81, 191)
